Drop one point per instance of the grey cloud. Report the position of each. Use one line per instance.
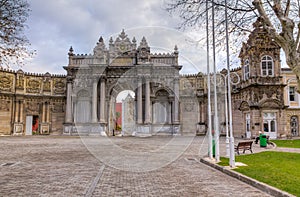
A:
(56, 25)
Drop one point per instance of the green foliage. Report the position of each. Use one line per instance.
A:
(287, 143)
(278, 169)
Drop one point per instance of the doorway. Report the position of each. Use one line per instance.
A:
(32, 125)
(269, 125)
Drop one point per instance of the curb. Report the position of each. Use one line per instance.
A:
(259, 185)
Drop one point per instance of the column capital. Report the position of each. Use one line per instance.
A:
(95, 78)
(69, 79)
(103, 78)
(147, 78)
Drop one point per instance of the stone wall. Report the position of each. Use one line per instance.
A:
(41, 96)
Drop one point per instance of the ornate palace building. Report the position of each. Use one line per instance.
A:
(83, 101)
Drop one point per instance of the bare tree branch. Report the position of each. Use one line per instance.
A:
(13, 43)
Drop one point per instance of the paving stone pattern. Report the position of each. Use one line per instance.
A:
(62, 166)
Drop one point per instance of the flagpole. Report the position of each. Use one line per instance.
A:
(226, 117)
(208, 89)
(216, 118)
(231, 138)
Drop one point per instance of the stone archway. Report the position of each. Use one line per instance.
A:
(123, 66)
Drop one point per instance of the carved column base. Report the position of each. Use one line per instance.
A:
(18, 129)
(44, 128)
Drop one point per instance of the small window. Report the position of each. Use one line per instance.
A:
(267, 66)
(273, 126)
(246, 70)
(292, 93)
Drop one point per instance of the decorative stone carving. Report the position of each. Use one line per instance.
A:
(162, 93)
(47, 86)
(5, 83)
(83, 93)
(272, 104)
(83, 82)
(57, 108)
(20, 82)
(189, 107)
(122, 46)
(100, 48)
(47, 82)
(4, 105)
(244, 106)
(32, 107)
(59, 86)
(33, 86)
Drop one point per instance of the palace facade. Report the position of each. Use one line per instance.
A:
(264, 96)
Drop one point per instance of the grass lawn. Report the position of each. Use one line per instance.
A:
(278, 169)
(287, 143)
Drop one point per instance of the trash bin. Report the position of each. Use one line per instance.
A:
(263, 140)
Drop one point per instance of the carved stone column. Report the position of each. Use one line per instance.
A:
(170, 112)
(21, 110)
(68, 117)
(140, 101)
(94, 101)
(48, 112)
(44, 112)
(17, 111)
(176, 101)
(147, 102)
(102, 100)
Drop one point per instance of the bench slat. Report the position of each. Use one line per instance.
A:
(246, 145)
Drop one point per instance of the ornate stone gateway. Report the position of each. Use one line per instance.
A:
(95, 80)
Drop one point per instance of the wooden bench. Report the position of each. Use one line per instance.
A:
(245, 145)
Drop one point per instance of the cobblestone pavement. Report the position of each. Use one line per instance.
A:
(63, 166)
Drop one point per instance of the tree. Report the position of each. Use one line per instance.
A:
(13, 42)
(280, 18)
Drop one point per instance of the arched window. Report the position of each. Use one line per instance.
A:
(246, 70)
(267, 66)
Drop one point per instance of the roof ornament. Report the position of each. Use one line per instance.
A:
(144, 43)
(71, 51)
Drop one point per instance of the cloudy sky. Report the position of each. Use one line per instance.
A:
(54, 26)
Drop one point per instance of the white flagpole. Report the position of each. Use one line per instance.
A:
(226, 118)
(231, 138)
(208, 89)
(216, 118)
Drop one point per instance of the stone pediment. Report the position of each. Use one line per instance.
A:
(122, 45)
(271, 104)
(244, 106)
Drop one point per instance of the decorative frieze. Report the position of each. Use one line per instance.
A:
(57, 108)
(32, 107)
(4, 105)
(59, 86)
(6, 83)
(33, 85)
(189, 107)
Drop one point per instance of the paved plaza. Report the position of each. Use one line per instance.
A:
(80, 166)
